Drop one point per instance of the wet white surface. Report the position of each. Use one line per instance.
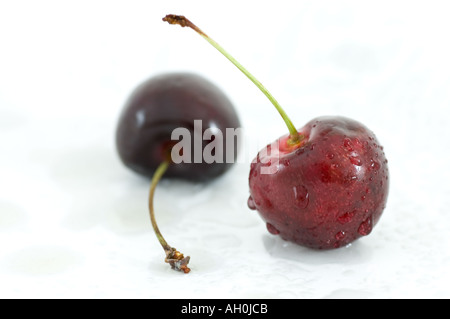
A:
(74, 221)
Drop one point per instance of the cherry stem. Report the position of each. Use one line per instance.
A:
(173, 257)
(294, 137)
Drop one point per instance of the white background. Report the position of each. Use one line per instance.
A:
(74, 221)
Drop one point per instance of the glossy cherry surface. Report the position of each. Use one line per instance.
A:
(167, 102)
(325, 192)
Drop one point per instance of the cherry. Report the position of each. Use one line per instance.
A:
(144, 138)
(321, 186)
(164, 103)
(326, 191)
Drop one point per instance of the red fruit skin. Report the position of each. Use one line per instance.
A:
(326, 193)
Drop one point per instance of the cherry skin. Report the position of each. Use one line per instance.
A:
(326, 191)
(162, 104)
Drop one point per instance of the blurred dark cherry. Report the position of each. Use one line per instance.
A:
(167, 102)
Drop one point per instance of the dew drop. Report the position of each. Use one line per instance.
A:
(345, 218)
(355, 160)
(251, 203)
(330, 155)
(268, 163)
(340, 235)
(272, 229)
(301, 196)
(365, 228)
(348, 144)
(375, 165)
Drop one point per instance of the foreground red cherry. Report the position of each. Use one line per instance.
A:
(322, 186)
(325, 192)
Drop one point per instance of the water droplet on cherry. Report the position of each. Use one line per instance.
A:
(251, 203)
(287, 162)
(365, 228)
(346, 217)
(355, 160)
(334, 166)
(300, 151)
(348, 144)
(340, 235)
(375, 165)
(301, 196)
(268, 163)
(272, 229)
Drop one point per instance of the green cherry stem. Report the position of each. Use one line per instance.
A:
(294, 137)
(173, 257)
